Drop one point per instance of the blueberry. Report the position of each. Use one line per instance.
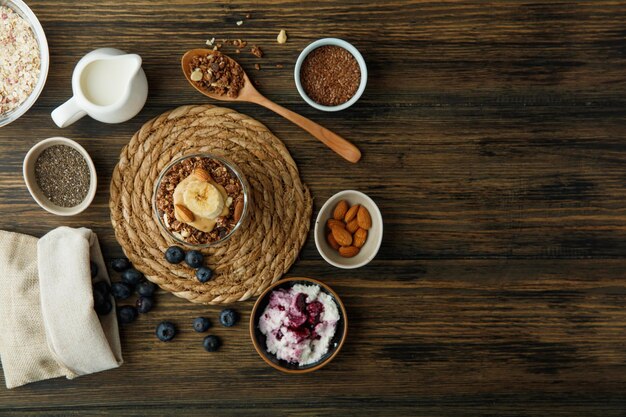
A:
(120, 290)
(204, 274)
(126, 314)
(174, 254)
(211, 343)
(132, 276)
(166, 331)
(228, 317)
(102, 287)
(99, 297)
(120, 264)
(194, 259)
(94, 269)
(104, 308)
(144, 304)
(201, 324)
(145, 288)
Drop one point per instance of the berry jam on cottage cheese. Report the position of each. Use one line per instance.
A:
(299, 323)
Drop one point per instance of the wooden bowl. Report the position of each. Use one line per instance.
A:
(258, 338)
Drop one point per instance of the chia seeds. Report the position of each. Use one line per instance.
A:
(330, 75)
(63, 175)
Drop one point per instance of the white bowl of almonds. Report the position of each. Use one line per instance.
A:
(349, 230)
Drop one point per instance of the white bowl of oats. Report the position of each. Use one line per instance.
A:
(24, 59)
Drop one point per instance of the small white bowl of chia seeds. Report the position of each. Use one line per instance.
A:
(60, 175)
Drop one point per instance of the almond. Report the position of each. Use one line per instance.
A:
(332, 242)
(364, 218)
(351, 214)
(360, 236)
(342, 236)
(348, 251)
(238, 209)
(340, 210)
(353, 226)
(335, 223)
(201, 174)
(184, 213)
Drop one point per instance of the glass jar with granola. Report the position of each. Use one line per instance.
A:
(201, 200)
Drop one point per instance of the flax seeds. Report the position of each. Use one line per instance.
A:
(330, 75)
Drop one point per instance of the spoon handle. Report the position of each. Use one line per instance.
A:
(335, 142)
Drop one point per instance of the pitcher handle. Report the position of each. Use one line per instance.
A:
(67, 113)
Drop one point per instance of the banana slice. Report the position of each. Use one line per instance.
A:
(203, 199)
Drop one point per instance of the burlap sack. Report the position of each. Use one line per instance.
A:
(49, 326)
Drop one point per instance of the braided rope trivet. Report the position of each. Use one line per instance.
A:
(266, 245)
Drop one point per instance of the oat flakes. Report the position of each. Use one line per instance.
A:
(19, 60)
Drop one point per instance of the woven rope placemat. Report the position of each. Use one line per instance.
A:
(266, 244)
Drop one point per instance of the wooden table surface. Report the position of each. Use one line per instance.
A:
(494, 142)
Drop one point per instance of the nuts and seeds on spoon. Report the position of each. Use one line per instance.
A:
(217, 74)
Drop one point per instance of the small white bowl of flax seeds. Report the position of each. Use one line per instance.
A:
(60, 176)
(330, 74)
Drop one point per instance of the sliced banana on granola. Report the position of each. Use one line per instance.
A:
(203, 199)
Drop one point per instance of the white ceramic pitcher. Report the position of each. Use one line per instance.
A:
(108, 84)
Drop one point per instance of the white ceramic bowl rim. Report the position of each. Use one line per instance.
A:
(35, 191)
(336, 42)
(24, 11)
(321, 223)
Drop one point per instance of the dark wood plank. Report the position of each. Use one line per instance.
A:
(434, 337)
(492, 136)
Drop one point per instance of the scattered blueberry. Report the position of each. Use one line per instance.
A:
(144, 304)
(120, 290)
(201, 324)
(99, 297)
(94, 269)
(211, 343)
(126, 314)
(174, 254)
(102, 287)
(228, 317)
(132, 276)
(120, 264)
(194, 259)
(104, 307)
(166, 331)
(204, 274)
(145, 288)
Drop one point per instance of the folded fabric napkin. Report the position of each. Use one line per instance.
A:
(49, 325)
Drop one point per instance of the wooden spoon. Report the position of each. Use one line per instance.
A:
(250, 94)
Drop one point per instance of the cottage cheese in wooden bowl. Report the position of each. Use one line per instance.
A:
(298, 325)
(24, 59)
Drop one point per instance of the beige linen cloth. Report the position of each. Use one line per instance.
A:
(48, 326)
